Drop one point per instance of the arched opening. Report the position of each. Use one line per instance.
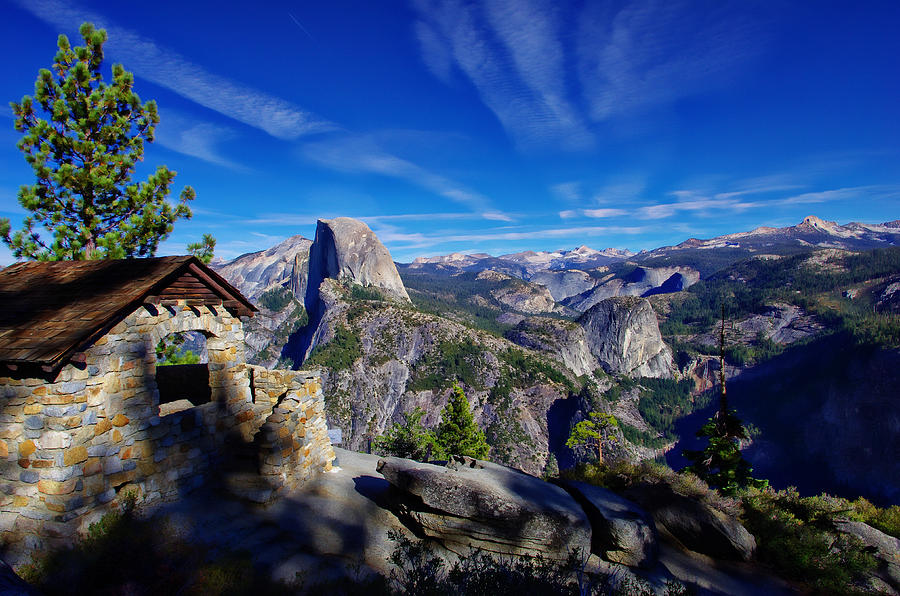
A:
(182, 372)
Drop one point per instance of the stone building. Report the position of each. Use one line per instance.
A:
(85, 412)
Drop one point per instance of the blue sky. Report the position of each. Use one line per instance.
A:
(496, 126)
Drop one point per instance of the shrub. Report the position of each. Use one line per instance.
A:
(409, 439)
(795, 535)
(419, 571)
(887, 520)
(125, 554)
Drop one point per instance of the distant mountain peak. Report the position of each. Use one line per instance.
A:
(819, 223)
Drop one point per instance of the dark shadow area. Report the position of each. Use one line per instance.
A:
(183, 382)
(559, 425)
(675, 283)
(377, 490)
(819, 430)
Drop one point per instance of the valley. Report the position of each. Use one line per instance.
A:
(540, 340)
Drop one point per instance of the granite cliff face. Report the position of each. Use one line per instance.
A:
(623, 334)
(285, 264)
(642, 281)
(401, 359)
(346, 249)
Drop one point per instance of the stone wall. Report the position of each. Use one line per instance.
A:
(294, 439)
(72, 445)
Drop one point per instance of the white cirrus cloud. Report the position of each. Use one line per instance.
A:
(358, 154)
(150, 61)
(700, 204)
(567, 191)
(655, 52)
(602, 213)
(197, 139)
(512, 53)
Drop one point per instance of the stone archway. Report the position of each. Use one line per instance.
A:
(191, 385)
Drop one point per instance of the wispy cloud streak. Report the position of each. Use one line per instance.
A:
(651, 53)
(276, 116)
(361, 155)
(512, 54)
(699, 204)
(197, 139)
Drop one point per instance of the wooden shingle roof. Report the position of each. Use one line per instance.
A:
(50, 310)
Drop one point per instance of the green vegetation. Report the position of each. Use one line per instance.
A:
(750, 286)
(276, 299)
(280, 298)
(720, 463)
(409, 439)
(447, 363)
(507, 438)
(418, 571)
(706, 262)
(593, 431)
(528, 369)
(887, 520)
(795, 536)
(204, 250)
(642, 437)
(664, 401)
(83, 155)
(463, 298)
(358, 292)
(457, 433)
(340, 353)
(170, 352)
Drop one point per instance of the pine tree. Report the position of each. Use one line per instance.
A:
(204, 250)
(457, 434)
(83, 152)
(590, 432)
(721, 463)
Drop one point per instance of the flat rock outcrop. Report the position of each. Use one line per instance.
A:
(623, 334)
(346, 249)
(472, 503)
(622, 532)
(696, 525)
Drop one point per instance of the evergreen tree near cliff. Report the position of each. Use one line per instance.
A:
(590, 432)
(457, 433)
(83, 138)
(721, 463)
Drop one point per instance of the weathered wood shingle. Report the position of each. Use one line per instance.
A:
(49, 310)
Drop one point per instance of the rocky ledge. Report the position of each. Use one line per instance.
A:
(471, 503)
